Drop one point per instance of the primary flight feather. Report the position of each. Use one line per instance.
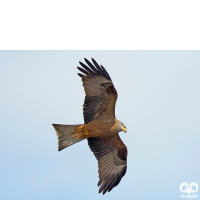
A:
(100, 126)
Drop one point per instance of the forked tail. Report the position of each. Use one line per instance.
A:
(65, 138)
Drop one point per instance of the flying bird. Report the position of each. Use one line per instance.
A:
(100, 126)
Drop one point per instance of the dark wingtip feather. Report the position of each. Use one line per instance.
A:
(86, 68)
(99, 183)
(105, 72)
(83, 71)
(81, 75)
(98, 67)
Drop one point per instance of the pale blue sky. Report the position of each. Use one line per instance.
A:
(158, 101)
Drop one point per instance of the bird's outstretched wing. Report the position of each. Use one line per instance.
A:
(111, 154)
(101, 94)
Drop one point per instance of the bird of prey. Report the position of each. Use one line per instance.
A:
(100, 126)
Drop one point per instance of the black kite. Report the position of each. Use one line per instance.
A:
(101, 128)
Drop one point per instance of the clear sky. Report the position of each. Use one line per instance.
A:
(158, 101)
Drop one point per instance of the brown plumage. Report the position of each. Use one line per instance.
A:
(100, 128)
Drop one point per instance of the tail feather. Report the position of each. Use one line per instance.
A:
(65, 138)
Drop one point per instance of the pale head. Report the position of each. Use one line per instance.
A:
(121, 127)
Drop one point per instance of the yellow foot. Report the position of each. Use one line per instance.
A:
(86, 132)
(80, 134)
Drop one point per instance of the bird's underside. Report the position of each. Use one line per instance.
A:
(100, 128)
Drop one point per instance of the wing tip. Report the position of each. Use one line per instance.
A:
(108, 184)
(96, 69)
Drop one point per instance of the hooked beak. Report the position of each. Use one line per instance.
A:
(124, 129)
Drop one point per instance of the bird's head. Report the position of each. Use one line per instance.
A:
(122, 127)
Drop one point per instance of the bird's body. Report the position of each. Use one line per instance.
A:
(101, 128)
